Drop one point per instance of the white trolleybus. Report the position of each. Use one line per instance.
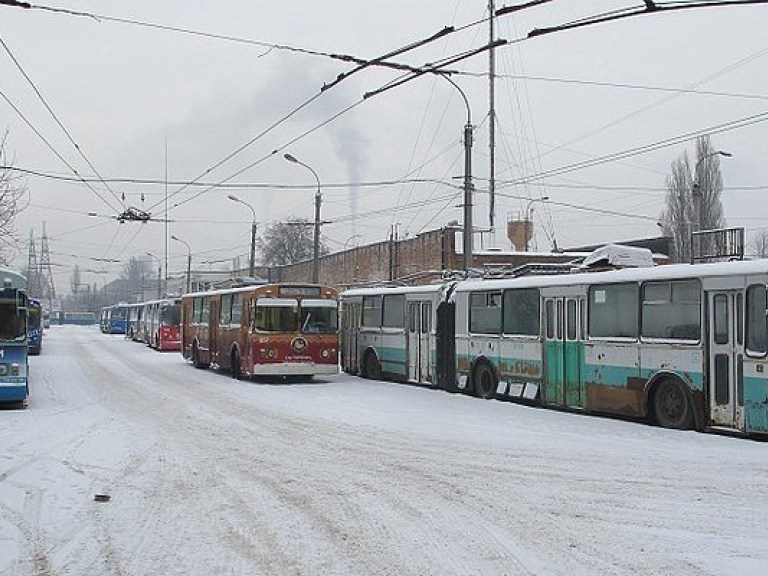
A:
(684, 346)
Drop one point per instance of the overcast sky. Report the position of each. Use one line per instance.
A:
(127, 93)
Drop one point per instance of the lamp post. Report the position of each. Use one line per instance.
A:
(159, 274)
(696, 189)
(529, 218)
(253, 233)
(189, 260)
(351, 238)
(468, 187)
(318, 201)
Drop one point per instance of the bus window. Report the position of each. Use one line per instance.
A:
(275, 315)
(372, 311)
(672, 310)
(613, 311)
(394, 311)
(236, 308)
(171, 315)
(13, 323)
(550, 314)
(521, 312)
(319, 316)
(225, 310)
(757, 330)
(485, 313)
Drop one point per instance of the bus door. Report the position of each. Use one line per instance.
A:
(564, 351)
(726, 359)
(351, 337)
(419, 326)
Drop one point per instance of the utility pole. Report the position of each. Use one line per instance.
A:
(318, 202)
(468, 256)
(253, 249)
(492, 117)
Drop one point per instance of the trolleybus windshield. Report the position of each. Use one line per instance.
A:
(319, 316)
(13, 321)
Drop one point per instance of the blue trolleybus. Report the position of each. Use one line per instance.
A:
(114, 319)
(684, 346)
(13, 337)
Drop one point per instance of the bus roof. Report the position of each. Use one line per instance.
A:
(422, 289)
(15, 279)
(269, 288)
(664, 272)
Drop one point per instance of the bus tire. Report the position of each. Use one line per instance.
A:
(671, 407)
(234, 364)
(484, 381)
(371, 366)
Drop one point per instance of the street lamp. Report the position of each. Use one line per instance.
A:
(696, 189)
(529, 218)
(189, 260)
(351, 238)
(234, 198)
(318, 201)
(468, 187)
(159, 274)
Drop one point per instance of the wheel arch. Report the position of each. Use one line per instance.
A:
(475, 365)
(695, 398)
(366, 353)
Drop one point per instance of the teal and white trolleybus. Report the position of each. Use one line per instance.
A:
(13, 337)
(684, 346)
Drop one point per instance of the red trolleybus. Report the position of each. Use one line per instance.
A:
(263, 330)
(161, 320)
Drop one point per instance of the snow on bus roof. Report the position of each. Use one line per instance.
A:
(665, 272)
(372, 291)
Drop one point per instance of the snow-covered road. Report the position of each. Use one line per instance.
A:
(209, 476)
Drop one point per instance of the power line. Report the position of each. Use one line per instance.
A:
(235, 186)
(50, 146)
(725, 127)
(55, 117)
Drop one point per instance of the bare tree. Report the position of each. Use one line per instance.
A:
(760, 244)
(12, 190)
(288, 242)
(678, 218)
(136, 276)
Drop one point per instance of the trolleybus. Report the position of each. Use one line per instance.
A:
(161, 323)
(133, 322)
(685, 346)
(34, 326)
(114, 319)
(263, 330)
(14, 387)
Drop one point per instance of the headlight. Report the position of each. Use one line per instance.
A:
(15, 369)
(3, 369)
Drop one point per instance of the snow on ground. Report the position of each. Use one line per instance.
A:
(342, 476)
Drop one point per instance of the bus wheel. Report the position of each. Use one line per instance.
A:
(371, 366)
(484, 380)
(234, 365)
(671, 406)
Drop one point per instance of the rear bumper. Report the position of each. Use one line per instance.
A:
(294, 369)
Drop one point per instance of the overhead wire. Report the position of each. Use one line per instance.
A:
(55, 117)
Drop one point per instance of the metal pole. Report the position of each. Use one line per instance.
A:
(253, 249)
(468, 256)
(189, 271)
(316, 244)
(492, 119)
(318, 202)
